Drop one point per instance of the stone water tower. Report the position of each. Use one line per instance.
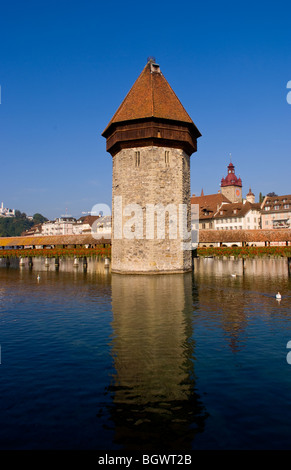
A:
(151, 138)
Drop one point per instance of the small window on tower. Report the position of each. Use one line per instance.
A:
(137, 159)
(167, 157)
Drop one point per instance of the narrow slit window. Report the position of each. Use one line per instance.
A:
(137, 159)
(167, 157)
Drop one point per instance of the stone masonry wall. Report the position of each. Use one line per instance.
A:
(230, 193)
(152, 178)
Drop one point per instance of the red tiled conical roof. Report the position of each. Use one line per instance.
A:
(151, 97)
(231, 178)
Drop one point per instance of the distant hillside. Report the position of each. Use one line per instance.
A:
(14, 226)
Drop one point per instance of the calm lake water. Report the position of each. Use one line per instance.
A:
(94, 360)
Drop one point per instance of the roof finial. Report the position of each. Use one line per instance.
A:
(151, 59)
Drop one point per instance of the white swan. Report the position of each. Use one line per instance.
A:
(278, 296)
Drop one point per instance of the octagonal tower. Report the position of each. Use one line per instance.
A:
(151, 138)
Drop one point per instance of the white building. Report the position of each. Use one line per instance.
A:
(71, 226)
(244, 215)
(85, 224)
(5, 212)
(276, 212)
(60, 226)
(102, 226)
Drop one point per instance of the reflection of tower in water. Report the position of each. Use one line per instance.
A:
(154, 402)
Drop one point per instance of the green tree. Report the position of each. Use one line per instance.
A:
(39, 219)
(14, 226)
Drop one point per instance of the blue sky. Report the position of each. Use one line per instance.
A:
(65, 67)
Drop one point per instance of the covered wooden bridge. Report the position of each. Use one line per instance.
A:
(54, 241)
(245, 237)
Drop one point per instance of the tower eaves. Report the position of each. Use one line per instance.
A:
(151, 97)
(151, 114)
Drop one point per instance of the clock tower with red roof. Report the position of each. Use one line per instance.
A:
(231, 185)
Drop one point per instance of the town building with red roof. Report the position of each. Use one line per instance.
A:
(227, 210)
(276, 212)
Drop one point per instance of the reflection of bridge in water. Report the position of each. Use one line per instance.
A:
(249, 266)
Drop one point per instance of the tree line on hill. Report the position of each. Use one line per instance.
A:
(14, 226)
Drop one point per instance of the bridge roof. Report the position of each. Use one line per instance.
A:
(86, 239)
(248, 236)
(205, 236)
